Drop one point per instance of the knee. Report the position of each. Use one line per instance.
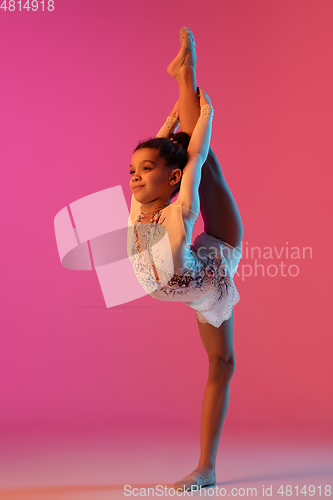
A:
(221, 370)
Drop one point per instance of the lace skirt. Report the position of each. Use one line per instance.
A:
(219, 261)
(207, 285)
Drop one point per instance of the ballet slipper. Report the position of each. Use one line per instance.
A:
(194, 479)
(187, 42)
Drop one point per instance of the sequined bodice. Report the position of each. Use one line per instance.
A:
(163, 246)
(163, 259)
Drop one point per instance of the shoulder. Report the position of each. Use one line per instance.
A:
(185, 212)
(186, 209)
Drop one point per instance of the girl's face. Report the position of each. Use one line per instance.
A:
(150, 172)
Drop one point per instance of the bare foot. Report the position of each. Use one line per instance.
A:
(186, 55)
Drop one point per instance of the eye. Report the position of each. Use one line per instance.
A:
(132, 171)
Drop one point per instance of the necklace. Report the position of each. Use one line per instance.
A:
(182, 281)
(155, 218)
(168, 203)
(152, 219)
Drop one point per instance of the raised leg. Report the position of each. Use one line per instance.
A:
(189, 108)
(217, 205)
(183, 68)
(218, 208)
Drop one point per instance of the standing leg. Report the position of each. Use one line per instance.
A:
(219, 346)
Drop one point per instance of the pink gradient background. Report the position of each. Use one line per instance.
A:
(79, 88)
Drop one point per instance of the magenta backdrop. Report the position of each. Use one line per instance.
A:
(79, 87)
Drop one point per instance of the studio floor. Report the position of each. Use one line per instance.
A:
(118, 461)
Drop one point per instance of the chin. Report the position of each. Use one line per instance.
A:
(138, 198)
(141, 197)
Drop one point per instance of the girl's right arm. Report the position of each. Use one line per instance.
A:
(170, 124)
(197, 152)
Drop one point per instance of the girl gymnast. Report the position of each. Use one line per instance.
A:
(166, 263)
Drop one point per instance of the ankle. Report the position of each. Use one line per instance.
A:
(207, 466)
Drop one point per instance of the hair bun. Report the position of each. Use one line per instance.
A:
(181, 138)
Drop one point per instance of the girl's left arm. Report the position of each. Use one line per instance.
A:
(170, 124)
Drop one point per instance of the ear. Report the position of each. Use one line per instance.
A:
(175, 176)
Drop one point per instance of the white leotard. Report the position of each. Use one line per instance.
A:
(170, 267)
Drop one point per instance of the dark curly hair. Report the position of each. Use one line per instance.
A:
(173, 151)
